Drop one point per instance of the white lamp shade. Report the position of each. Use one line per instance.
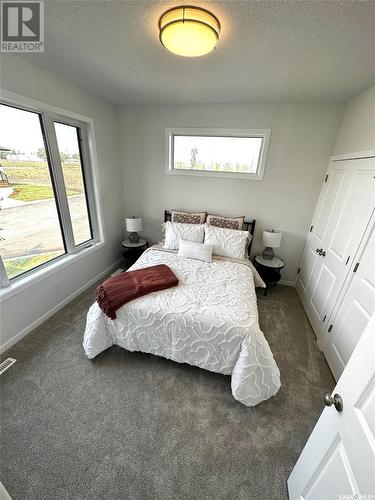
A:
(133, 224)
(272, 238)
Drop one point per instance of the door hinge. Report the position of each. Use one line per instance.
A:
(347, 260)
(324, 318)
(298, 270)
(326, 179)
(356, 267)
(330, 328)
(311, 228)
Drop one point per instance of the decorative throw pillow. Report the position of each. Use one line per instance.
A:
(193, 250)
(174, 231)
(228, 222)
(226, 242)
(188, 218)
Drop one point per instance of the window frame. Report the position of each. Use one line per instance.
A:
(62, 197)
(264, 134)
(48, 114)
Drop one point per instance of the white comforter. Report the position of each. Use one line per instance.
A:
(209, 320)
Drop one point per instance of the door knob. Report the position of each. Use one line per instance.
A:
(336, 401)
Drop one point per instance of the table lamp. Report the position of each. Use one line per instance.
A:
(133, 225)
(271, 239)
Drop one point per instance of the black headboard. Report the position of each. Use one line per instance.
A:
(248, 225)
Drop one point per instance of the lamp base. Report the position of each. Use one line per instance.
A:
(134, 238)
(268, 253)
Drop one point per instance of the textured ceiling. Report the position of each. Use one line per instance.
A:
(268, 51)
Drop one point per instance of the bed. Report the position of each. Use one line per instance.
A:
(209, 320)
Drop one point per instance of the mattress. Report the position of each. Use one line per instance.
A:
(209, 320)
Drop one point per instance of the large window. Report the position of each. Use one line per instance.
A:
(46, 202)
(236, 153)
(68, 141)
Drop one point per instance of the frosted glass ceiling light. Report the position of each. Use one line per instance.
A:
(189, 31)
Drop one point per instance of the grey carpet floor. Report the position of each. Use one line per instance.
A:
(131, 426)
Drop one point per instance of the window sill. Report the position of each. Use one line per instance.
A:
(217, 175)
(49, 269)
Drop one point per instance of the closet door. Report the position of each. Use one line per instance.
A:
(353, 313)
(342, 216)
(330, 205)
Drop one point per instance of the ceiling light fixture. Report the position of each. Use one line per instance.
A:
(189, 31)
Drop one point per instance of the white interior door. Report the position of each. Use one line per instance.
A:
(353, 313)
(339, 458)
(329, 200)
(330, 204)
(340, 222)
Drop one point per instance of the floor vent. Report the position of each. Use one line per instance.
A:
(6, 364)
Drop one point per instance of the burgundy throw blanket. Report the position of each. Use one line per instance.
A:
(118, 290)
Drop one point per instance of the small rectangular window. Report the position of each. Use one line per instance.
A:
(236, 153)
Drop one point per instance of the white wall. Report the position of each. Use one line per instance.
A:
(357, 131)
(27, 307)
(302, 140)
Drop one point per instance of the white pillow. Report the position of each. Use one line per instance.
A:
(193, 250)
(174, 231)
(226, 242)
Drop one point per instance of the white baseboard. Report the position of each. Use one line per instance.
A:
(286, 283)
(9, 343)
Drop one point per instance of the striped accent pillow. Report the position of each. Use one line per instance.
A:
(193, 250)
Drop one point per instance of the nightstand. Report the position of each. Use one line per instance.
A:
(132, 251)
(269, 270)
